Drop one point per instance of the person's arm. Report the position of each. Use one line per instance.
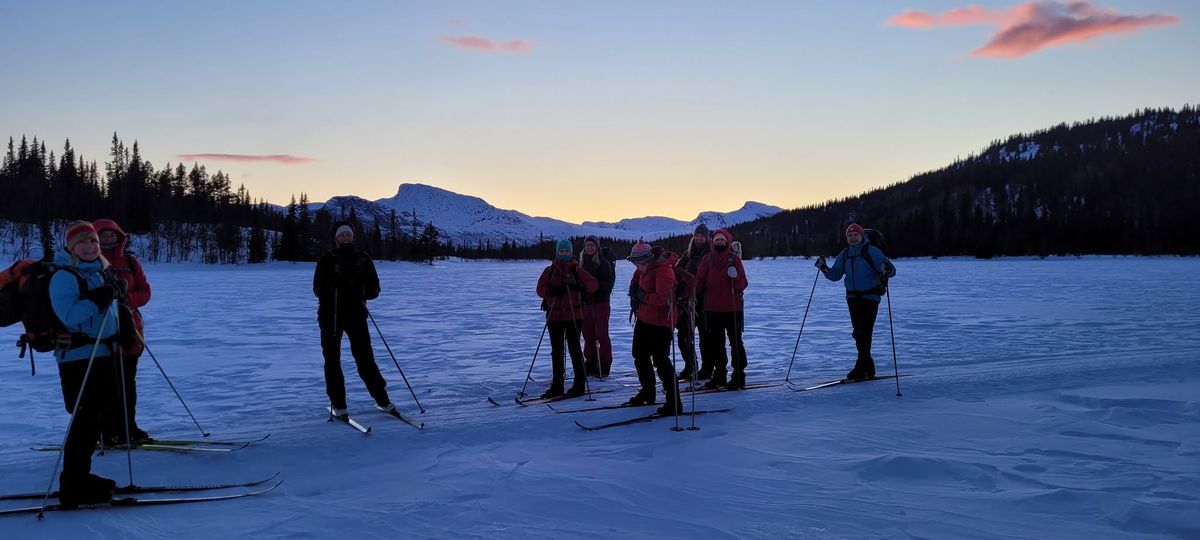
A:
(586, 279)
(664, 286)
(138, 292)
(370, 279)
(886, 268)
(543, 284)
(835, 272)
(69, 303)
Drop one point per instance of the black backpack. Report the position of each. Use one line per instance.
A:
(43, 329)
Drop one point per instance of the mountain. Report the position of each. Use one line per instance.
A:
(1124, 185)
(469, 220)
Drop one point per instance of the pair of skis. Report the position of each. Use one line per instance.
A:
(141, 490)
(836, 382)
(172, 445)
(365, 429)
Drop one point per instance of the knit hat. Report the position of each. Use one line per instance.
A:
(79, 231)
(337, 228)
(592, 238)
(641, 251)
(702, 228)
(725, 232)
(855, 227)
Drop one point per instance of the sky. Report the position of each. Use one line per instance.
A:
(581, 110)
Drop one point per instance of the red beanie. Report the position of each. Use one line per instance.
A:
(725, 232)
(856, 227)
(78, 231)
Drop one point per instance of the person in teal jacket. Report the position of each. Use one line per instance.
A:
(865, 270)
(89, 318)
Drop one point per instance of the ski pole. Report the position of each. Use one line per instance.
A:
(892, 331)
(802, 321)
(673, 398)
(394, 361)
(75, 410)
(142, 339)
(529, 374)
(695, 361)
(124, 406)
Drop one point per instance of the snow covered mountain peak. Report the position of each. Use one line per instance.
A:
(469, 219)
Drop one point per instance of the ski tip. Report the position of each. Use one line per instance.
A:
(493, 401)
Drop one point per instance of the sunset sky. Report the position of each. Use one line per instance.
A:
(581, 110)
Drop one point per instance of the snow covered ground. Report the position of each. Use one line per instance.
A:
(1043, 399)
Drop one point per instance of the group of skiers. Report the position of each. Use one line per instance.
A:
(97, 302)
(702, 291)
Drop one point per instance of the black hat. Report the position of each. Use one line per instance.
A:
(702, 228)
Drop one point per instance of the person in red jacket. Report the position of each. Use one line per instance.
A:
(127, 272)
(652, 298)
(721, 279)
(559, 287)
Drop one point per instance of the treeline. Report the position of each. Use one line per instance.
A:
(165, 204)
(182, 213)
(1127, 185)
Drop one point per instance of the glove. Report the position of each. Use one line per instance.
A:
(122, 291)
(821, 264)
(731, 272)
(557, 290)
(102, 296)
(888, 269)
(635, 299)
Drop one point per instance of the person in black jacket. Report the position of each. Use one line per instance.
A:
(597, 347)
(698, 247)
(345, 279)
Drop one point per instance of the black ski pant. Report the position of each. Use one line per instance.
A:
(862, 317)
(685, 329)
(355, 327)
(94, 404)
(566, 333)
(114, 424)
(702, 331)
(652, 352)
(720, 325)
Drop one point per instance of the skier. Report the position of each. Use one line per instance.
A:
(866, 270)
(133, 292)
(652, 292)
(344, 280)
(560, 287)
(721, 280)
(698, 247)
(597, 347)
(82, 301)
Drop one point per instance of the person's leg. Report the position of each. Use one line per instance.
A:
(558, 337)
(661, 354)
(643, 363)
(331, 349)
(364, 360)
(579, 386)
(717, 324)
(603, 313)
(590, 352)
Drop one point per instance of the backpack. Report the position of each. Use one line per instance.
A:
(10, 292)
(874, 238)
(25, 297)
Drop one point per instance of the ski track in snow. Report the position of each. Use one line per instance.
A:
(1042, 399)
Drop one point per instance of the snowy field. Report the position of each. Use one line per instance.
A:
(1053, 398)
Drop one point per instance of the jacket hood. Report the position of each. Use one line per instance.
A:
(110, 225)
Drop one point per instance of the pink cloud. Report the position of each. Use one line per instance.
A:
(1027, 28)
(276, 158)
(481, 44)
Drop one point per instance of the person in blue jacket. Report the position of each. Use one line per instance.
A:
(82, 300)
(866, 271)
